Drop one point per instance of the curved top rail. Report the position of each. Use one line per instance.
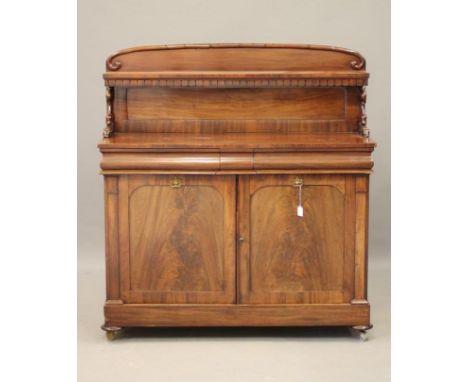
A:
(236, 57)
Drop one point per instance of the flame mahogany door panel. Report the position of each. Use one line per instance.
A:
(177, 239)
(287, 259)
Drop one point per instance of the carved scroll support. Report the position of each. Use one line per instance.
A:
(109, 129)
(363, 119)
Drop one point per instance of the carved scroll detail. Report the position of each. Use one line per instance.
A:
(113, 65)
(356, 64)
(109, 129)
(363, 119)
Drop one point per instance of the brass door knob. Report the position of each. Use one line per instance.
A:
(175, 182)
(297, 182)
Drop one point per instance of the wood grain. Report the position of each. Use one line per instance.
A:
(154, 109)
(181, 240)
(165, 247)
(235, 104)
(316, 263)
(268, 142)
(227, 57)
(207, 127)
(288, 259)
(178, 152)
(362, 221)
(111, 203)
(222, 161)
(236, 315)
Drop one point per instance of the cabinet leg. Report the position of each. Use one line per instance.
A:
(362, 330)
(112, 332)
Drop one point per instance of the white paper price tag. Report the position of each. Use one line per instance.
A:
(300, 211)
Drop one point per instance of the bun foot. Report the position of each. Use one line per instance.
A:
(362, 330)
(112, 332)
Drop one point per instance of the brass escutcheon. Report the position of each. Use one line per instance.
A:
(297, 182)
(175, 182)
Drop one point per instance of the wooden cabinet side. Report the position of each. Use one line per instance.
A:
(361, 235)
(111, 203)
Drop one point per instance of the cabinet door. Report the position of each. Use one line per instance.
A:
(177, 239)
(288, 259)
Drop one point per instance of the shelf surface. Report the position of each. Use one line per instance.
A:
(237, 142)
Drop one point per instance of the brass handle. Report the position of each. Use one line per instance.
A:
(175, 182)
(241, 239)
(298, 182)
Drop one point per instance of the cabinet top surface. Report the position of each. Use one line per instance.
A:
(237, 142)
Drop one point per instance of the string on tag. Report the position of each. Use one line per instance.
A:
(300, 209)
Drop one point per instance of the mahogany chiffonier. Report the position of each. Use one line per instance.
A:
(236, 187)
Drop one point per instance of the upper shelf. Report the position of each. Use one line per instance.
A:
(245, 88)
